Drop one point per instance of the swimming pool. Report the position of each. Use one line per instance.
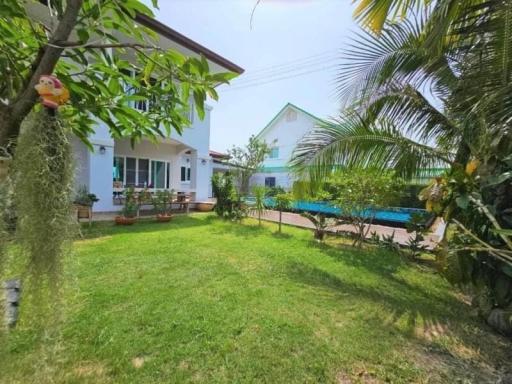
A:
(389, 215)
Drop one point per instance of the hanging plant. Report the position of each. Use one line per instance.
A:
(43, 169)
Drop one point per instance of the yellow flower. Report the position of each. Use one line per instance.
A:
(472, 166)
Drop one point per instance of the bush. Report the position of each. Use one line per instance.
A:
(274, 191)
(359, 193)
(229, 204)
(409, 197)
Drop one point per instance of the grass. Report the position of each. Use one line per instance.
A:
(207, 301)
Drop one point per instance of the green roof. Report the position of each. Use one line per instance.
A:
(281, 111)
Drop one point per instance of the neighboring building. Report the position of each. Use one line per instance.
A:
(180, 162)
(282, 133)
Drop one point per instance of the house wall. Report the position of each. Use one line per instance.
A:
(283, 179)
(285, 132)
(94, 169)
(81, 162)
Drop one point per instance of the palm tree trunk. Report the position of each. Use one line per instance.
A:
(280, 215)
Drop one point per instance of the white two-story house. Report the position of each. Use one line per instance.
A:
(179, 162)
(282, 134)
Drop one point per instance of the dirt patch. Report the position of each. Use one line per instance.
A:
(90, 369)
(139, 361)
(361, 377)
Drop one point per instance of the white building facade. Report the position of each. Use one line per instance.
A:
(179, 162)
(282, 134)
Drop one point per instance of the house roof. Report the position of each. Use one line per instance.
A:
(281, 112)
(218, 155)
(186, 42)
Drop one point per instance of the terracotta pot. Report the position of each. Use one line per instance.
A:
(121, 220)
(204, 207)
(83, 211)
(163, 218)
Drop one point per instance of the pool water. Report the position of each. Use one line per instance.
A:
(390, 215)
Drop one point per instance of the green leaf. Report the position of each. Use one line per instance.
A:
(462, 201)
(150, 67)
(199, 98)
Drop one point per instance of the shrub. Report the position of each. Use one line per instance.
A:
(274, 191)
(359, 193)
(283, 202)
(83, 197)
(321, 223)
(130, 204)
(229, 204)
(259, 201)
(162, 202)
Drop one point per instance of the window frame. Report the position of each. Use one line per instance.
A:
(274, 151)
(136, 184)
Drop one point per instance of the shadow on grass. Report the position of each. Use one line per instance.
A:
(281, 235)
(376, 260)
(417, 312)
(143, 225)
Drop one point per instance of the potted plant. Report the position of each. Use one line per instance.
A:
(83, 202)
(129, 212)
(162, 204)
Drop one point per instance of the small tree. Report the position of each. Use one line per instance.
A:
(359, 193)
(259, 201)
(321, 223)
(283, 201)
(247, 160)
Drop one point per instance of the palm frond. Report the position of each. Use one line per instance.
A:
(398, 54)
(351, 141)
(408, 108)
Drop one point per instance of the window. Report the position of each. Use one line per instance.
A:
(143, 173)
(274, 153)
(118, 170)
(185, 173)
(270, 182)
(135, 172)
(168, 175)
(131, 172)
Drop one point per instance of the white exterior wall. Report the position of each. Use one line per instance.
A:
(100, 168)
(81, 162)
(94, 169)
(283, 179)
(284, 132)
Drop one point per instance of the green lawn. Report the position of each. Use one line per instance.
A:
(201, 300)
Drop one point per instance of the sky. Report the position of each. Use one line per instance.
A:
(288, 37)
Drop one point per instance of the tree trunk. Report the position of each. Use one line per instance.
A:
(280, 214)
(12, 116)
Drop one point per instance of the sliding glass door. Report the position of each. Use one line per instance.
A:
(158, 174)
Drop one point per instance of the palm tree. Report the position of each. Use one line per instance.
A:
(259, 201)
(409, 106)
(430, 91)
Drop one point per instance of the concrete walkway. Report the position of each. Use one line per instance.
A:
(401, 235)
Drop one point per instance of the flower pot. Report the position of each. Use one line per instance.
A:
(83, 211)
(204, 207)
(122, 220)
(163, 218)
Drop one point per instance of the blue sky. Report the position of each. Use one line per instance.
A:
(287, 37)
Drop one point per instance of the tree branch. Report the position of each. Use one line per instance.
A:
(44, 66)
